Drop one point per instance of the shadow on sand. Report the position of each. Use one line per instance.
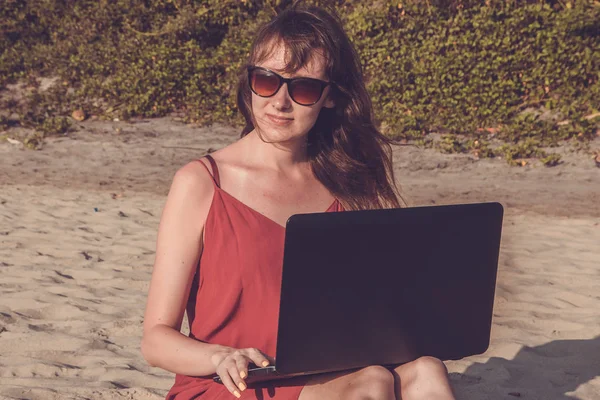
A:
(548, 372)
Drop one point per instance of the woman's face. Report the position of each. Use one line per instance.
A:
(279, 119)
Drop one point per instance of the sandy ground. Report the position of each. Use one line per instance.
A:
(78, 221)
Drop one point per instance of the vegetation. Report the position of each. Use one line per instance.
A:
(522, 72)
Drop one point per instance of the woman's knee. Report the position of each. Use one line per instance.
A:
(429, 365)
(372, 383)
(424, 378)
(422, 368)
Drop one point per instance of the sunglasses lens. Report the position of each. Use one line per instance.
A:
(264, 83)
(305, 91)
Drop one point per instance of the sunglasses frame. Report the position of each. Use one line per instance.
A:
(289, 81)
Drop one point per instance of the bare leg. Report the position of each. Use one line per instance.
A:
(423, 379)
(370, 383)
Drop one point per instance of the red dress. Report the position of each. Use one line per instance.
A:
(234, 299)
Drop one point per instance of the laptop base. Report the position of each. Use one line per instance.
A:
(256, 375)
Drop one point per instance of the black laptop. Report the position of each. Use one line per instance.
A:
(384, 287)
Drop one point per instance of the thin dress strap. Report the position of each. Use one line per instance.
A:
(215, 170)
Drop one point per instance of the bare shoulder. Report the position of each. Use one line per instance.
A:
(191, 193)
(193, 179)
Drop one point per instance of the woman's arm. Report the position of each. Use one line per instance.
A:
(178, 249)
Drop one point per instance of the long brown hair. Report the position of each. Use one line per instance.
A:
(347, 153)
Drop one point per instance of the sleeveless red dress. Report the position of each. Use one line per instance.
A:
(234, 299)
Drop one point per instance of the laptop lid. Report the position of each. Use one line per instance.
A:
(383, 287)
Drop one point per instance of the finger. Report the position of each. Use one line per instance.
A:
(228, 383)
(234, 373)
(258, 358)
(242, 366)
(271, 359)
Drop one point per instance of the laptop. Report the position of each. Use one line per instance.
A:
(384, 287)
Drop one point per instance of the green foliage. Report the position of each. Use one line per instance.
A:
(34, 141)
(480, 148)
(138, 58)
(526, 149)
(55, 126)
(4, 123)
(459, 67)
(451, 144)
(425, 143)
(477, 66)
(551, 160)
(516, 154)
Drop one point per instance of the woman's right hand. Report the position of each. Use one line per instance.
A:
(232, 367)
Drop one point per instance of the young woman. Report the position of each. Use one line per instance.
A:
(309, 145)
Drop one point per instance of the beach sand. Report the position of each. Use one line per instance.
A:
(78, 222)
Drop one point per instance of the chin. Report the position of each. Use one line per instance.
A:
(279, 135)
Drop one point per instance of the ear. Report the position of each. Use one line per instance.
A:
(329, 101)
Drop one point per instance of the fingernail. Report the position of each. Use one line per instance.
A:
(237, 394)
(242, 386)
(265, 363)
(243, 375)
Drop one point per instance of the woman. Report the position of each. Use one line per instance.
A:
(309, 145)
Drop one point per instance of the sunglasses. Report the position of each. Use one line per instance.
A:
(304, 91)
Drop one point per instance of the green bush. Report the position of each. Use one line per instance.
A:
(455, 67)
(478, 67)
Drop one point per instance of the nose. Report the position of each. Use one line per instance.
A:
(282, 100)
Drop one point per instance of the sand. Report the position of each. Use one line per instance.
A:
(78, 223)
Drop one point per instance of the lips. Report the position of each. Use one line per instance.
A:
(279, 120)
